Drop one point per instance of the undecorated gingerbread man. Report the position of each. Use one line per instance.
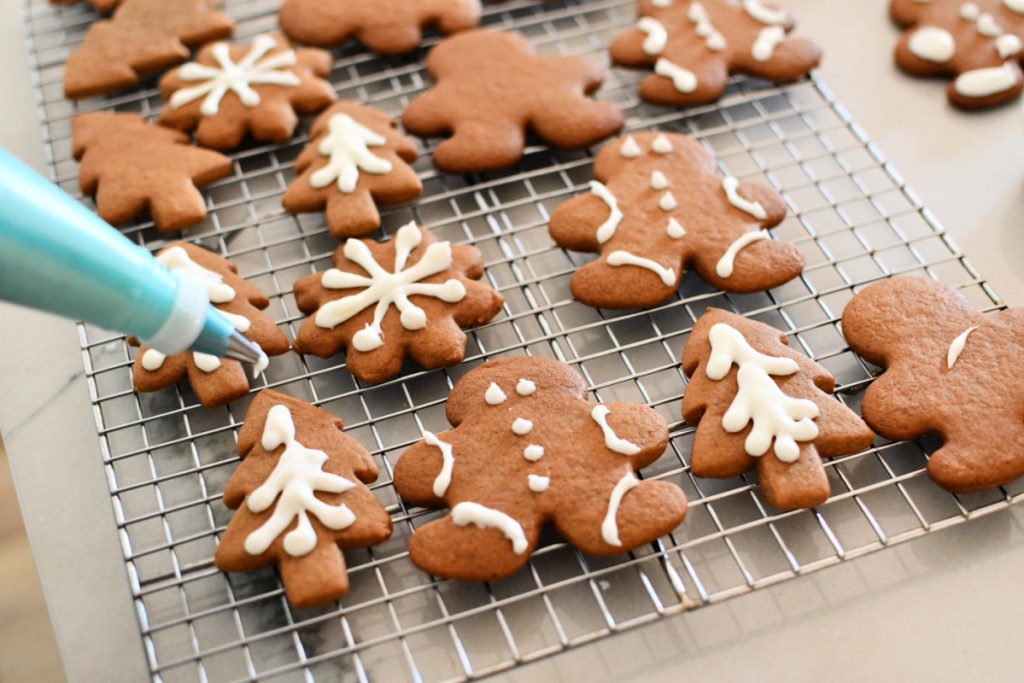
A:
(660, 205)
(528, 448)
(694, 46)
(951, 371)
(978, 44)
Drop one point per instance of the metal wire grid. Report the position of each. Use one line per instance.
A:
(167, 458)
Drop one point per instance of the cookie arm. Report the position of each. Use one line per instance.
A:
(642, 427)
(574, 223)
(417, 471)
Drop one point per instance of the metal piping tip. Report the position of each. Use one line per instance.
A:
(240, 348)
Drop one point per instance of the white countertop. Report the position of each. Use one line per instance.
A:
(943, 607)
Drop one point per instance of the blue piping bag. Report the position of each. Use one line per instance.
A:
(58, 256)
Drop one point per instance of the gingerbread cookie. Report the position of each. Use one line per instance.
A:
(390, 27)
(260, 88)
(381, 301)
(101, 5)
(300, 497)
(694, 46)
(143, 37)
(491, 87)
(355, 158)
(659, 205)
(977, 44)
(950, 371)
(215, 381)
(132, 166)
(748, 389)
(528, 448)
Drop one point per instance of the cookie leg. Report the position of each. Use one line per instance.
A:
(446, 549)
(315, 578)
(788, 486)
(480, 146)
(591, 120)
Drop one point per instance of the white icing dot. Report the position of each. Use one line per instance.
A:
(988, 26)
(668, 202)
(629, 148)
(525, 387)
(661, 145)
(537, 483)
(533, 452)
(970, 11)
(932, 44)
(522, 426)
(658, 181)
(494, 395)
(674, 230)
(206, 362)
(153, 360)
(1013, 5)
(1008, 45)
(661, 4)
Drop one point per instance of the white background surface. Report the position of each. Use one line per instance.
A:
(946, 607)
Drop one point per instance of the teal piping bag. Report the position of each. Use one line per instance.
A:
(58, 256)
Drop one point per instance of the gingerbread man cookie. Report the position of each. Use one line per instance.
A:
(528, 448)
(142, 37)
(491, 87)
(215, 381)
(260, 88)
(694, 46)
(355, 158)
(950, 371)
(756, 403)
(659, 205)
(383, 301)
(978, 44)
(390, 27)
(132, 166)
(300, 497)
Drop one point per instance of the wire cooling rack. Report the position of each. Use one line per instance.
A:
(167, 458)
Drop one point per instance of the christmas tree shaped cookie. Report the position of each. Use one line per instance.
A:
(951, 371)
(300, 497)
(756, 403)
(355, 158)
(381, 302)
(259, 88)
(132, 166)
(214, 380)
(527, 448)
(693, 47)
(660, 205)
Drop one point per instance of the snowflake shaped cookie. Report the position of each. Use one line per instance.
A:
(979, 44)
(409, 295)
(950, 371)
(694, 45)
(355, 158)
(660, 205)
(528, 448)
(230, 89)
(299, 496)
(757, 404)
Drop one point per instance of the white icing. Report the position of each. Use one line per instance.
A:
(759, 399)
(1008, 45)
(705, 29)
(610, 527)
(674, 230)
(533, 452)
(238, 78)
(932, 44)
(241, 323)
(494, 395)
(970, 11)
(625, 258)
(611, 440)
(683, 80)
(988, 26)
(657, 36)
(177, 260)
(525, 387)
(661, 145)
(629, 148)
(768, 39)
(765, 15)
(731, 186)
(727, 263)
(444, 477)
(668, 202)
(347, 146)
(385, 288)
(537, 483)
(607, 229)
(661, 4)
(297, 475)
(522, 426)
(658, 181)
(153, 360)
(957, 347)
(1013, 5)
(261, 365)
(205, 361)
(985, 82)
(486, 518)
